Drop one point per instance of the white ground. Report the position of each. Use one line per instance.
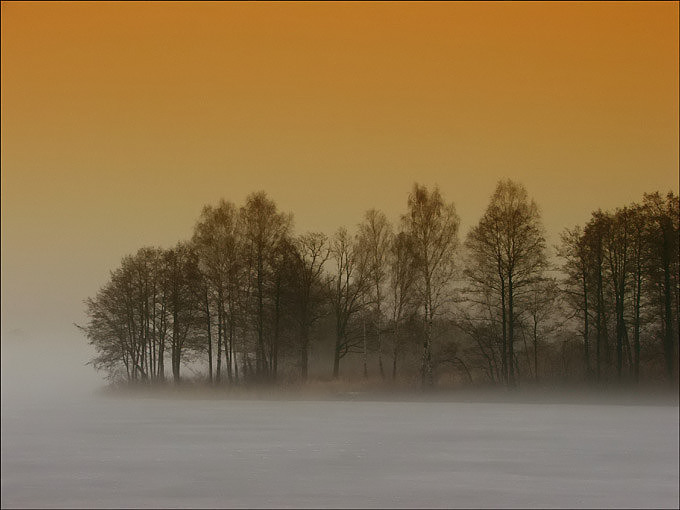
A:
(138, 452)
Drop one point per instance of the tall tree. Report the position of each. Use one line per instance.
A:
(664, 268)
(639, 249)
(264, 228)
(182, 276)
(617, 254)
(509, 241)
(594, 237)
(432, 226)
(375, 236)
(218, 242)
(401, 276)
(541, 300)
(308, 292)
(577, 282)
(348, 286)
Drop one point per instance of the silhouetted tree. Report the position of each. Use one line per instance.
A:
(664, 269)
(541, 298)
(508, 243)
(375, 236)
(577, 282)
(218, 242)
(401, 279)
(308, 290)
(432, 226)
(349, 284)
(264, 228)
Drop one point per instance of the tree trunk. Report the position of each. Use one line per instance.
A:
(511, 332)
(304, 353)
(365, 354)
(619, 334)
(668, 337)
(275, 348)
(535, 352)
(427, 370)
(227, 341)
(229, 352)
(504, 353)
(636, 334)
(259, 355)
(395, 350)
(175, 355)
(209, 331)
(377, 331)
(599, 318)
(220, 333)
(586, 346)
(336, 357)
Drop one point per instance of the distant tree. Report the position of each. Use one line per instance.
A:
(280, 290)
(264, 228)
(401, 280)
(509, 244)
(577, 282)
(375, 236)
(432, 227)
(307, 288)
(594, 237)
(639, 248)
(109, 330)
(217, 240)
(617, 255)
(183, 279)
(479, 321)
(349, 285)
(541, 299)
(146, 306)
(664, 269)
(248, 284)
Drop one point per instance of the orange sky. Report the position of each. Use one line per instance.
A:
(121, 120)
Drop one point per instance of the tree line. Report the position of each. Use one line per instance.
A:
(246, 300)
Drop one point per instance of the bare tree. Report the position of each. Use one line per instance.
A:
(147, 301)
(432, 226)
(375, 236)
(311, 251)
(401, 278)
(594, 237)
(542, 297)
(639, 248)
(508, 242)
(264, 228)
(182, 276)
(617, 255)
(349, 283)
(577, 282)
(664, 269)
(218, 242)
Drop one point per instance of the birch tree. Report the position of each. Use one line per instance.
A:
(432, 226)
(375, 236)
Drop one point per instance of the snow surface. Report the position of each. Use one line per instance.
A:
(144, 452)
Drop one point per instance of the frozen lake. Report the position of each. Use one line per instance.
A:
(142, 452)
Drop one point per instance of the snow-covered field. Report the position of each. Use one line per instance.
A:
(143, 452)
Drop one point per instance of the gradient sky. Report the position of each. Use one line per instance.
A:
(121, 120)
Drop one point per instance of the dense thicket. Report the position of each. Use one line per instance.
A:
(248, 300)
